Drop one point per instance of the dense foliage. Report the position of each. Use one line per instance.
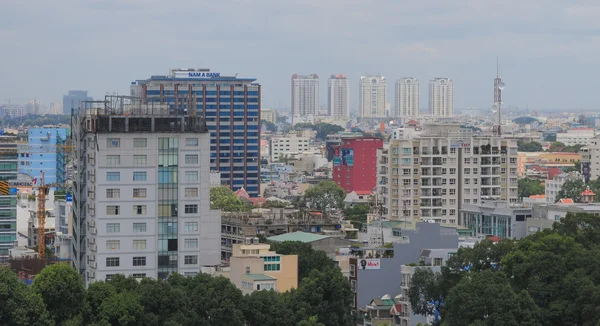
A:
(58, 297)
(324, 196)
(357, 214)
(323, 129)
(528, 187)
(224, 199)
(529, 147)
(561, 147)
(548, 278)
(32, 120)
(269, 125)
(573, 189)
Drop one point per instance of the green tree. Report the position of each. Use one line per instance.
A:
(96, 293)
(326, 195)
(571, 189)
(121, 309)
(304, 125)
(311, 321)
(62, 289)
(324, 129)
(215, 300)
(308, 258)
(528, 187)
(224, 199)
(556, 146)
(269, 125)
(19, 305)
(267, 308)
(164, 303)
(529, 147)
(426, 292)
(357, 214)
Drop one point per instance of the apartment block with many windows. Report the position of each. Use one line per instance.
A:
(431, 176)
(141, 202)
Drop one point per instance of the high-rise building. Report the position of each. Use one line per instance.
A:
(73, 99)
(431, 176)
(441, 97)
(231, 107)
(355, 163)
(269, 115)
(44, 152)
(141, 202)
(372, 96)
(338, 96)
(8, 197)
(305, 95)
(407, 98)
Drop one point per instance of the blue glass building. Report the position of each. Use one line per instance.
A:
(73, 99)
(44, 152)
(231, 108)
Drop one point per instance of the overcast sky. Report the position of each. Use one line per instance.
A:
(548, 49)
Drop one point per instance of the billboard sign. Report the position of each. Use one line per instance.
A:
(196, 74)
(370, 263)
(69, 198)
(337, 161)
(460, 143)
(347, 155)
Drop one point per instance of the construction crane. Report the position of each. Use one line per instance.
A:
(43, 190)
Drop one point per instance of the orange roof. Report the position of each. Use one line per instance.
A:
(537, 196)
(588, 192)
(241, 193)
(567, 201)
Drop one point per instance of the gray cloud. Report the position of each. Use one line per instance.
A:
(101, 45)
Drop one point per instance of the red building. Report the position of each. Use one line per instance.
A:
(355, 163)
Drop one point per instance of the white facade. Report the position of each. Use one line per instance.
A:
(144, 202)
(305, 95)
(268, 115)
(290, 146)
(594, 157)
(577, 136)
(372, 96)
(431, 176)
(554, 185)
(407, 98)
(441, 97)
(338, 96)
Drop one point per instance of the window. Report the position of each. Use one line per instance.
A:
(113, 176)
(139, 244)
(139, 209)
(113, 227)
(452, 171)
(190, 243)
(112, 262)
(139, 261)
(140, 142)
(141, 275)
(190, 260)
(467, 160)
(191, 209)
(191, 142)
(191, 158)
(352, 270)
(452, 181)
(113, 159)
(113, 193)
(452, 212)
(272, 267)
(191, 192)
(467, 171)
(474, 171)
(140, 160)
(191, 175)
(112, 210)
(113, 142)
(139, 192)
(113, 244)
(190, 226)
(466, 181)
(139, 227)
(139, 176)
(452, 191)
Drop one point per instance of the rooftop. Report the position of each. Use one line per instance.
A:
(260, 277)
(297, 236)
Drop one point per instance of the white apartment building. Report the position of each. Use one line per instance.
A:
(441, 97)
(554, 185)
(290, 146)
(305, 95)
(407, 98)
(594, 158)
(372, 96)
(268, 115)
(141, 203)
(432, 175)
(576, 136)
(338, 96)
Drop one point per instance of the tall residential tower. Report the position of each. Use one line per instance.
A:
(372, 96)
(441, 97)
(231, 109)
(141, 202)
(338, 96)
(305, 95)
(407, 98)
(8, 198)
(73, 99)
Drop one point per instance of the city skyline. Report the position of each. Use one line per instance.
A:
(447, 39)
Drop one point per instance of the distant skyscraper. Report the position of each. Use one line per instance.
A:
(407, 98)
(305, 95)
(372, 95)
(441, 97)
(73, 99)
(338, 96)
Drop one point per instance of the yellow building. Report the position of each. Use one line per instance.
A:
(546, 159)
(254, 267)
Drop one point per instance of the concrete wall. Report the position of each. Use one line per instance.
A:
(287, 277)
(375, 283)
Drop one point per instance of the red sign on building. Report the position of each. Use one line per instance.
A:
(355, 164)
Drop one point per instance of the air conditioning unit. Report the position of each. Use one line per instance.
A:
(92, 241)
(91, 275)
(93, 265)
(91, 258)
(93, 248)
(93, 230)
(92, 223)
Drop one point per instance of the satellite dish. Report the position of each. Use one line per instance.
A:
(501, 85)
(495, 108)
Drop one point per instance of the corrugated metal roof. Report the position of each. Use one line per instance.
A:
(297, 236)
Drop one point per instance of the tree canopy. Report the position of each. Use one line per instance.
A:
(529, 147)
(323, 129)
(548, 278)
(357, 214)
(561, 147)
(269, 125)
(324, 196)
(528, 187)
(224, 199)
